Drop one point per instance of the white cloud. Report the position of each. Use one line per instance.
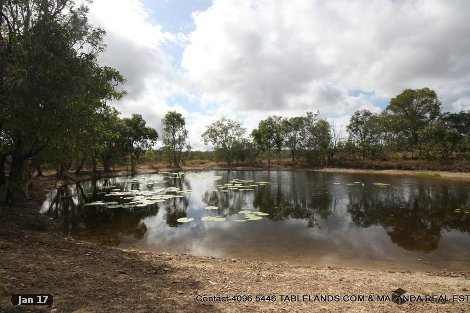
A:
(307, 55)
(136, 47)
(247, 59)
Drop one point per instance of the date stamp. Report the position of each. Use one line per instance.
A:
(32, 299)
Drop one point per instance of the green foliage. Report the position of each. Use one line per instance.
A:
(50, 81)
(437, 141)
(269, 136)
(412, 110)
(225, 135)
(136, 137)
(175, 137)
(366, 132)
(316, 139)
(292, 129)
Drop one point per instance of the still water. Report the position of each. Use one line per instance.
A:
(296, 217)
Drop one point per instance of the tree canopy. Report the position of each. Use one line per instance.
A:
(175, 137)
(224, 134)
(50, 79)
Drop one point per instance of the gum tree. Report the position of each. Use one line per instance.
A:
(225, 135)
(50, 80)
(175, 137)
(136, 137)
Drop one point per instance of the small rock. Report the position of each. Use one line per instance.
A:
(212, 283)
(122, 272)
(3, 291)
(464, 289)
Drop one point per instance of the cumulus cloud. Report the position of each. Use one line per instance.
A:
(296, 55)
(136, 47)
(247, 59)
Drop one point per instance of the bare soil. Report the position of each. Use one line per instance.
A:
(35, 257)
(462, 176)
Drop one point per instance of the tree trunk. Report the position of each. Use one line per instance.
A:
(80, 166)
(2, 170)
(61, 170)
(106, 165)
(37, 164)
(94, 165)
(133, 171)
(16, 181)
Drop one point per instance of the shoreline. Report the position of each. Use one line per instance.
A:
(37, 257)
(429, 174)
(461, 176)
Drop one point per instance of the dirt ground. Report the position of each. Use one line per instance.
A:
(35, 257)
(427, 174)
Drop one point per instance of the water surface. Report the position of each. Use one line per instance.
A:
(313, 218)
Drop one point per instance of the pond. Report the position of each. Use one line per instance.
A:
(310, 218)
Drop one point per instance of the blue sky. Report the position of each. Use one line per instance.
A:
(175, 15)
(248, 59)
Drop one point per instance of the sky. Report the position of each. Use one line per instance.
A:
(248, 59)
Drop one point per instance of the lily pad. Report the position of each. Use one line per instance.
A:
(212, 218)
(261, 213)
(185, 219)
(253, 218)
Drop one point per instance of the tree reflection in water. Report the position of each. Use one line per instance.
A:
(413, 214)
(414, 219)
(97, 224)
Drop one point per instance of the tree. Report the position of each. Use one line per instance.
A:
(105, 132)
(175, 137)
(316, 139)
(269, 136)
(136, 137)
(460, 122)
(224, 134)
(413, 110)
(438, 141)
(50, 80)
(365, 131)
(292, 132)
(245, 151)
